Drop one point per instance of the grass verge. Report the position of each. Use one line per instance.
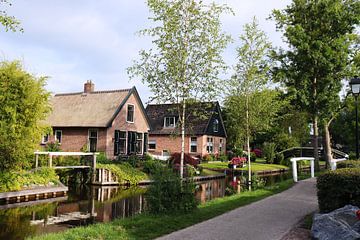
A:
(146, 226)
(254, 166)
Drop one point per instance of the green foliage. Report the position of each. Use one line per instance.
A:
(223, 158)
(285, 141)
(9, 22)
(319, 35)
(279, 158)
(348, 164)
(169, 194)
(23, 105)
(52, 147)
(269, 152)
(338, 188)
(125, 172)
(133, 160)
(15, 181)
(285, 161)
(152, 166)
(208, 157)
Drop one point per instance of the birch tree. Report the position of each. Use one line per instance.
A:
(247, 102)
(9, 22)
(186, 60)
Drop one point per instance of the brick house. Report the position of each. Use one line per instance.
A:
(111, 121)
(205, 132)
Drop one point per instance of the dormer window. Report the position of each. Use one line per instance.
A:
(169, 122)
(130, 113)
(216, 125)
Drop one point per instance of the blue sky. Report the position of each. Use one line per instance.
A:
(73, 41)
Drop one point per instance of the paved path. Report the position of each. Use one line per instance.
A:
(270, 218)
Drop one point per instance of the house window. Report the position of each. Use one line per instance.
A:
(58, 136)
(169, 122)
(146, 137)
(221, 145)
(139, 139)
(210, 145)
(93, 136)
(216, 125)
(120, 142)
(45, 139)
(152, 144)
(130, 113)
(193, 144)
(165, 153)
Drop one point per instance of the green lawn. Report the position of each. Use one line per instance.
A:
(147, 226)
(259, 165)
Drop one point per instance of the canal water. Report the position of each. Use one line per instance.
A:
(88, 204)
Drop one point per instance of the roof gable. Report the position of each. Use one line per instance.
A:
(198, 116)
(95, 109)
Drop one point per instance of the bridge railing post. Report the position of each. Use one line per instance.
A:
(93, 168)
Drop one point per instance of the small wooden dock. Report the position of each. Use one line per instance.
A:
(34, 194)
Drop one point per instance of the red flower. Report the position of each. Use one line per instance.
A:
(358, 214)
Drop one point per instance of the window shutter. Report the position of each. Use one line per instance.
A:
(116, 142)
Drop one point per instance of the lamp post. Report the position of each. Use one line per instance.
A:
(355, 89)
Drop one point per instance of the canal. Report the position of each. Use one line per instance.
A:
(89, 204)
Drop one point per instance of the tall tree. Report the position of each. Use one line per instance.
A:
(9, 22)
(246, 86)
(319, 35)
(186, 61)
(23, 105)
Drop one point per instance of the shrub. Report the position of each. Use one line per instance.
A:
(237, 161)
(223, 158)
(125, 172)
(208, 158)
(169, 194)
(285, 162)
(148, 157)
(133, 160)
(338, 188)
(269, 152)
(352, 156)
(348, 164)
(151, 166)
(188, 159)
(52, 147)
(279, 157)
(252, 156)
(258, 152)
(230, 154)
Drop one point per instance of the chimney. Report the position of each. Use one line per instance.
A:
(89, 86)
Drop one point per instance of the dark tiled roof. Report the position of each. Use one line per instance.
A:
(198, 116)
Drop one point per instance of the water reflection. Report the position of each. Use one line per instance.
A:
(85, 205)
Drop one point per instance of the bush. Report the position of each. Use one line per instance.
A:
(151, 166)
(237, 161)
(188, 159)
(169, 194)
(285, 162)
(348, 164)
(269, 152)
(208, 158)
(10, 181)
(133, 160)
(223, 158)
(258, 152)
(338, 188)
(279, 157)
(252, 156)
(352, 156)
(52, 147)
(125, 172)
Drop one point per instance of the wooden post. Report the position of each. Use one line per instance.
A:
(50, 160)
(94, 168)
(36, 161)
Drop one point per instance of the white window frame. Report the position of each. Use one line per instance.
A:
(151, 142)
(142, 143)
(193, 143)
(97, 136)
(170, 125)
(165, 151)
(55, 136)
(210, 144)
(127, 109)
(43, 139)
(221, 141)
(216, 125)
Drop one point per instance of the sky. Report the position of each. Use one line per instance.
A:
(75, 41)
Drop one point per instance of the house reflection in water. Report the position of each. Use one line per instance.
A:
(210, 190)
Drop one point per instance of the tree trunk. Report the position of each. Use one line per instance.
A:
(327, 150)
(316, 142)
(182, 140)
(248, 140)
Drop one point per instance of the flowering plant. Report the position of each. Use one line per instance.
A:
(358, 214)
(238, 161)
(257, 152)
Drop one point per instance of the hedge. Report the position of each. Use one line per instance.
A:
(348, 164)
(338, 188)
